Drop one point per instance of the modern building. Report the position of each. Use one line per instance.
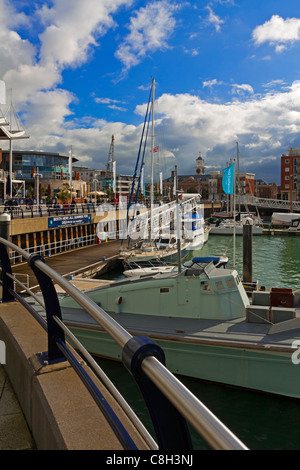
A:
(51, 170)
(290, 171)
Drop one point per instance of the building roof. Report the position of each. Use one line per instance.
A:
(35, 152)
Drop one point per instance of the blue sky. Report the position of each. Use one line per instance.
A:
(226, 71)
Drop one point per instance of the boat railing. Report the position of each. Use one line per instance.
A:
(171, 405)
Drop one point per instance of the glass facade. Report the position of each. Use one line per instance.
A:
(48, 165)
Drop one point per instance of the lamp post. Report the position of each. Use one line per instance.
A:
(95, 181)
(37, 175)
(291, 192)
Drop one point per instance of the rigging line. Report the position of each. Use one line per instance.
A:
(141, 167)
(137, 162)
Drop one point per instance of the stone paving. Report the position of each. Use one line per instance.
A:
(14, 432)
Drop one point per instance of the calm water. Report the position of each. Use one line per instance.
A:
(276, 260)
(261, 421)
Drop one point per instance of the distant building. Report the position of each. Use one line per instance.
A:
(247, 183)
(200, 170)
(99, 179)
(265, 190)
(290, 172)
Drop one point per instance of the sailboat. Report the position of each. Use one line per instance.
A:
(232, 223)
(157, 227)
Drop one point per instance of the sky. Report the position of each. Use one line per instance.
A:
(226, 72)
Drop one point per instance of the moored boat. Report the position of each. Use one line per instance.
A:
(227, 228)
(205, 323)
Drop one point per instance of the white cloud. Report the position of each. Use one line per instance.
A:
(112, 104)
(149, 30)
(262, 124)
(70, 33)
(214, 19)
(278, 32)
(73, 29)
(240, 89)
(34, 71)
(265, 124)
(211, 83)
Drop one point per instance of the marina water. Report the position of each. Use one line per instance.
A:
(261, 421)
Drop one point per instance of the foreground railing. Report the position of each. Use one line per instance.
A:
(170, 403)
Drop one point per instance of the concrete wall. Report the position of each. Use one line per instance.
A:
(58, 409)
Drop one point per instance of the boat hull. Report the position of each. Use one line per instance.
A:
(146, 259)
(262, 370)
(228, 230)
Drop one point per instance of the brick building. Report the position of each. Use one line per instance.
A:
(290, 170)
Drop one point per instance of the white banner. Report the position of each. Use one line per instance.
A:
(2, 92)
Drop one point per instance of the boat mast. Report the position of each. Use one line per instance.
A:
(152, 150)
(238, 178)
(178, 222)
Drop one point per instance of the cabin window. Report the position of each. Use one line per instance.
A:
(219, 285)
(164, 290)
(230, 283)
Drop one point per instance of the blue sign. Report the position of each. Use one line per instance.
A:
(58, 222)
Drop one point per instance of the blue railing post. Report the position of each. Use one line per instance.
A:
(52, 308)
(7, 282)
(170, 427)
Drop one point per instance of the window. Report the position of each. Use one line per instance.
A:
(287, 169)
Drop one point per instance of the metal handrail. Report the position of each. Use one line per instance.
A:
(217, 435)
(55, 247)
(148, 438)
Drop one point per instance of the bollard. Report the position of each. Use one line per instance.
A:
(247, 249)
(5, 220)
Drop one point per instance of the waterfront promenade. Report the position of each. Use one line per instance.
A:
(14, 431)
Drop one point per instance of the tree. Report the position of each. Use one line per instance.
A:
(65, 193)
(192, 190)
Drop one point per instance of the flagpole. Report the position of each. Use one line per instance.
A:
(234, 226)
(70, 170)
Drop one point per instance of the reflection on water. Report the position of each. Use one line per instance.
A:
(276, 260)
(260, 421)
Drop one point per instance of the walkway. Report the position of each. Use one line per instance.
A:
(14, 432)
(77, 260)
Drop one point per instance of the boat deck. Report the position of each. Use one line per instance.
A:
(236, 332)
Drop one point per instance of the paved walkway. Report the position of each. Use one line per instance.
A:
(14, 432)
